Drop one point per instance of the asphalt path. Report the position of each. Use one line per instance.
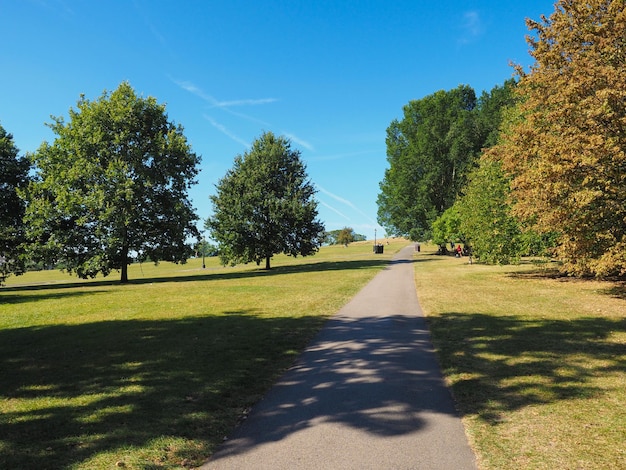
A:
(366, 394)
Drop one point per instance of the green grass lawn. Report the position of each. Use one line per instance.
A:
(154, 374)
(537, 363)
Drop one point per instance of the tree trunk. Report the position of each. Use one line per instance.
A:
(267, 263)
(124, 277)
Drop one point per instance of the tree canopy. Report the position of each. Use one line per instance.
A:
(265, 205)
(13, 176)
(430, 152)
(343, 236)
(447, 228)
(565, 147)
(112, 185)
(485, 215)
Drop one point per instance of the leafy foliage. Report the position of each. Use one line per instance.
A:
(338, 237)
(430, 153)
(485, 216)
(447, 227)
(113, 183)
(265, 206)
(346, 236)
(204, 248)
(13, 176)
(566, 146)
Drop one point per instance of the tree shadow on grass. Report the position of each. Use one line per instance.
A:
(618, 291)
(506, 363)
(69, 392)
(22, 297)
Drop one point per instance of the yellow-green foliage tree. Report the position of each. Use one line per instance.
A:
(485, 217)
(346, 236)
(565, 146)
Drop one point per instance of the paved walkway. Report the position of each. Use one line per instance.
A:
(366, 394)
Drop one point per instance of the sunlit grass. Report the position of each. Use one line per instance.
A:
(154, 373)
(537, 363)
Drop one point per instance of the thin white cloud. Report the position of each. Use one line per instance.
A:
(224, 105)
(335, 197)
(191, 88)
(472, 23)
(300, 142)
(246, 117)
(143, 11)
(472, 26)
(248, 102)
(346, 202)
(227, 105)
(335, 210)
(225, 131)
(341, 156)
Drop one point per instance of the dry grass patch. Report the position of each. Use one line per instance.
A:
(537, 363)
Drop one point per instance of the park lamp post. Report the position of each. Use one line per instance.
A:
(375, 242)
(203, 250)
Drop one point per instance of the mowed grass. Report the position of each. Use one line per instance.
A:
(154, 374)
(537, 363)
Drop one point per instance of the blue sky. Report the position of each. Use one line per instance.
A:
(329, 74)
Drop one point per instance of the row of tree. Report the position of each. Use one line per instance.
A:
(536, 166)
(113, 189)
(343, 236)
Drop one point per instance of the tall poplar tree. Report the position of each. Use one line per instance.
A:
(428, 151)
(565, 146)
(265, 205)
(112, 186)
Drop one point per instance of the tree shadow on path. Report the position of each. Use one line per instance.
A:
(375, 374)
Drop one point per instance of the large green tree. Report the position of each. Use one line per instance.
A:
(112, 186)
(13, 176)
(429, 152)
(432, 150)
(493, 108)
(486, 220)
(265, 205)
(566, 146)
